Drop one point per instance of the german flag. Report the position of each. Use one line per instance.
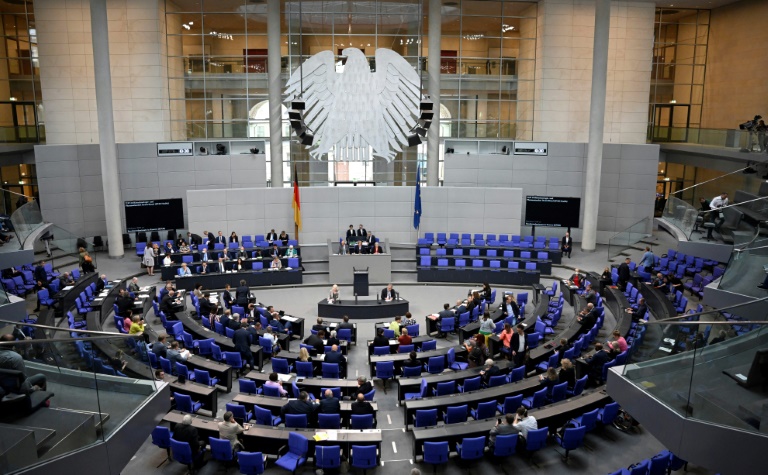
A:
(296, 200)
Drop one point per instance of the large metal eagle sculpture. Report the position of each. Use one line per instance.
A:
(358, 108)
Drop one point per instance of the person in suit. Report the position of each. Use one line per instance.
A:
(510, 307)
(358, 248)
(376, 249)
(102, 283)
(587, 318)
(40, 273)
(388, 293)
(329, 404)
(124, 302)
(233, 237)
(460, 307)
(490, 370)
(504, 428)
(346, 324)
(596, 363)
(220, 239)
(362, 407)
(320, 326)
(589, 295)
(229, 429)
(186, 432)
(624, 274)
(242, 342)
(271, 236)
(274, 251)
(363, 386)
(316, 342)
(167, 304)
(518, 346)
(640, 312)
(380, 339)
(445, 312)
(370, 239)
(351, 234)
(567, 373)
(211, 241)
(159, 348)
(134, 286)
(343, 249)
(412, 361)
(226, 296)
(566, 244)
(300, 406)
(283, 238)
(241, 294)
(205, 304)
(335, 356)
(194, 239)
(361, 233)
(220, 267)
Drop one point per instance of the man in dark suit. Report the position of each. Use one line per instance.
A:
(596, 363)
(300, 406)
(241, 294)
(186, 432)
(459, 308)
(316, 342)
(361, 233)
(211, 241)
(638, 314)
(234, 321)
(362, 407)
(205, 304)
(124, 302)
(380, 339)
(490, 370)
(589, 295)
(225, 318)
(351, 234)
(271, 236)
(221, 239)
(40, 273)
(370, 239)
(518, 346)
(363, 386)
(358, 248)
(329, 404)
(167, 304)
(587, 318)
(159, 348)
(320, 326)
(242, 343)
(226, 296)
(624, 274)
(388, 293)
(345, 324)
(195, 239)
(335, 356)
(101, 283)
(566, 244)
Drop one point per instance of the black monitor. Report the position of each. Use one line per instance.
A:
(552, 211)
(154, 215)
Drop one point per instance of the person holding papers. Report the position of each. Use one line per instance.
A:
(291, 252)
(388, 294)
(334, 294)
(276, 264)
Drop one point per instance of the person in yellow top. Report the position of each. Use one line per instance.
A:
(395, 326)
(137, 327)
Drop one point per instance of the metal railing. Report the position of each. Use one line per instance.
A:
(726, 138)
(628, 237)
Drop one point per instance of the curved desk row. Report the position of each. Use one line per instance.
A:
(423, 356)
(394, 344)
(171, 271)
(269, 440)
(362, 309)
(311, 385)
(553, 416)
(471, 275)
(217, 280)
(178, 257)
(275, 405)
(542, 308)
(413, 384)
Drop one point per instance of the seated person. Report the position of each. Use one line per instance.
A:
(502, 428)
(300, 406)
(184, 247)
(376, 249)
(595, 363)
(412, 361)
(186, 432)
(404, 338)
(343, 249)
(320, 326)
(9, 359)
(590, 295)
(362, 407)
(177, 354)
(380, 339)
(167, 260)
(577, 279)
(358, 248)
(168, 249)
(65, 279)
(408, 320)
(275, 383)
(271, 236)
(523, 422)
(333, 339)
(229, 429)
(316, 342)
(335, 356)
(276, 264)
(184, 270)
(490, 370)
(388, 293)
(329, 404)
(291, 252)
(283, 238)
(274, 251)
(395, 325)
(567, 373)
(363, 386)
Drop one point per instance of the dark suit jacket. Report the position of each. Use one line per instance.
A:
(271, 237)
(596, 363)
(329, 406)
(446, 314)
(351, 234)
(221, 239)
(360, 232)
(123, 304)
(588, 320)
(492, 371)
(159, 349)
(166, 304)
(624, 272)
(205, 306)
(211, 241)
(514, 344)
(299, 407)
(364, 407)
(226, 296)
(380, 341)
(41, 274)
(640, 312)
(317, 327)
(566, 242)
(364, 389)
(242, 341)
(335, 357)
(384, 293)
(195, 239)
(315, 342)
(358, 249)
(242, 296)
(188, 434)
(515, 309)
(567, 375)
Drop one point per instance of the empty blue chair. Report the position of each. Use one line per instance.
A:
(361, 421)
(607, 414)
(485, 410)
(251, 463)
(455, 414)
(588, 420)
(511, 404)
(270, 391)
(221, 449)
(329, 421)
(297, 452)
(471, 448)
(425, 418)
(471, 384)
(389, 333)
(428, 345)
(538, 399)
(444, 388)
(184, 403)
(364, 457)
(452, 363)
(422, 391)
(161, 437)
(436, 453)
(497, 380)
(385, 370)
(297, 421)
(233, 359)
(345, 334)
(558, 392)
(536, 439)
(505, 445)
(460, 263)
(405, 348)
(247, 386)
(239, 412)
(572, 438)
(410, 371)
(281, 366)
(265, 417)
(182, 453)
(426, 261)
(304, 369)
(435, 364)
(447, 325)
(381, 350)
(517, 374)
(203, 377)
(331, 371)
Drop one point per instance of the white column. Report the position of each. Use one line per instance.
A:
(433, 87)
(596, 124)
(275, 93)
(110, 178)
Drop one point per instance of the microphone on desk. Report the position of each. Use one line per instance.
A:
(355, 297)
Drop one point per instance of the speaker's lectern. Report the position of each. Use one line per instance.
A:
(361, 282)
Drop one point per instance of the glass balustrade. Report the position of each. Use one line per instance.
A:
(628, 237)
(713, 383)
(726, 138)
(681, 214)
(746, 270)
(89, 394)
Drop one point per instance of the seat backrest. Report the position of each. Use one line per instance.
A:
(536, 438)
(456, 414)
(436, 452)
(361, 421)
(298, 421)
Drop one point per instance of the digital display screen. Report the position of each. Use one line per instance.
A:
(552, 211)
(154, 215)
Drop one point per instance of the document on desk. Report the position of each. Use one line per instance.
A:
(321, 436)
(69, 287)
(284, 378)
(289, 318)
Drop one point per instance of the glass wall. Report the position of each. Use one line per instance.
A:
(678, 73)
(218, 71)
(21, 108)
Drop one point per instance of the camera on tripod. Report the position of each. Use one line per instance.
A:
(750, 125)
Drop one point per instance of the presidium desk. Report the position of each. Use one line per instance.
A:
(362, 309)
(341, 268)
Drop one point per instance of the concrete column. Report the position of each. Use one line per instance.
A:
(596, 125)
(435, 16)
(110, 178)
(275, 93)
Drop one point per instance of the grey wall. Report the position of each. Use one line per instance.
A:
(69, 178)
(627, 189)
(328, 212)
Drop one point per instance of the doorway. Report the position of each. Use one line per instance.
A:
(670, 122)
(18, 122)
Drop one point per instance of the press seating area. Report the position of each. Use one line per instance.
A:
(702, 271)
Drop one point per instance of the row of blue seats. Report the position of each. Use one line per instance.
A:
(141, 246)
(459, 252)
(427, 261)
(24, 284)
(552, 245)
(661, 463)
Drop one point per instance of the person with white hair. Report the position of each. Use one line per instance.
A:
(186, 432)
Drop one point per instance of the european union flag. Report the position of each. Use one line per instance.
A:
(417, 200)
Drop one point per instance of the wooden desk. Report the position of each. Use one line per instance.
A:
(275, 405)
(269, 440)
(553, 416)
(207, 395)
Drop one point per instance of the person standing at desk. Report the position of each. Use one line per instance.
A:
(149, 259)
(714, 215)
(242, 342)
(510, 308)
(388, 294)
(271, 236)
(334, 293)
(329, 404)
(519, 346)
(566, 245)
(211, 241)
(351, 234)
(361, 233)
(241, 294)
(283, 238)
(647, 260)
